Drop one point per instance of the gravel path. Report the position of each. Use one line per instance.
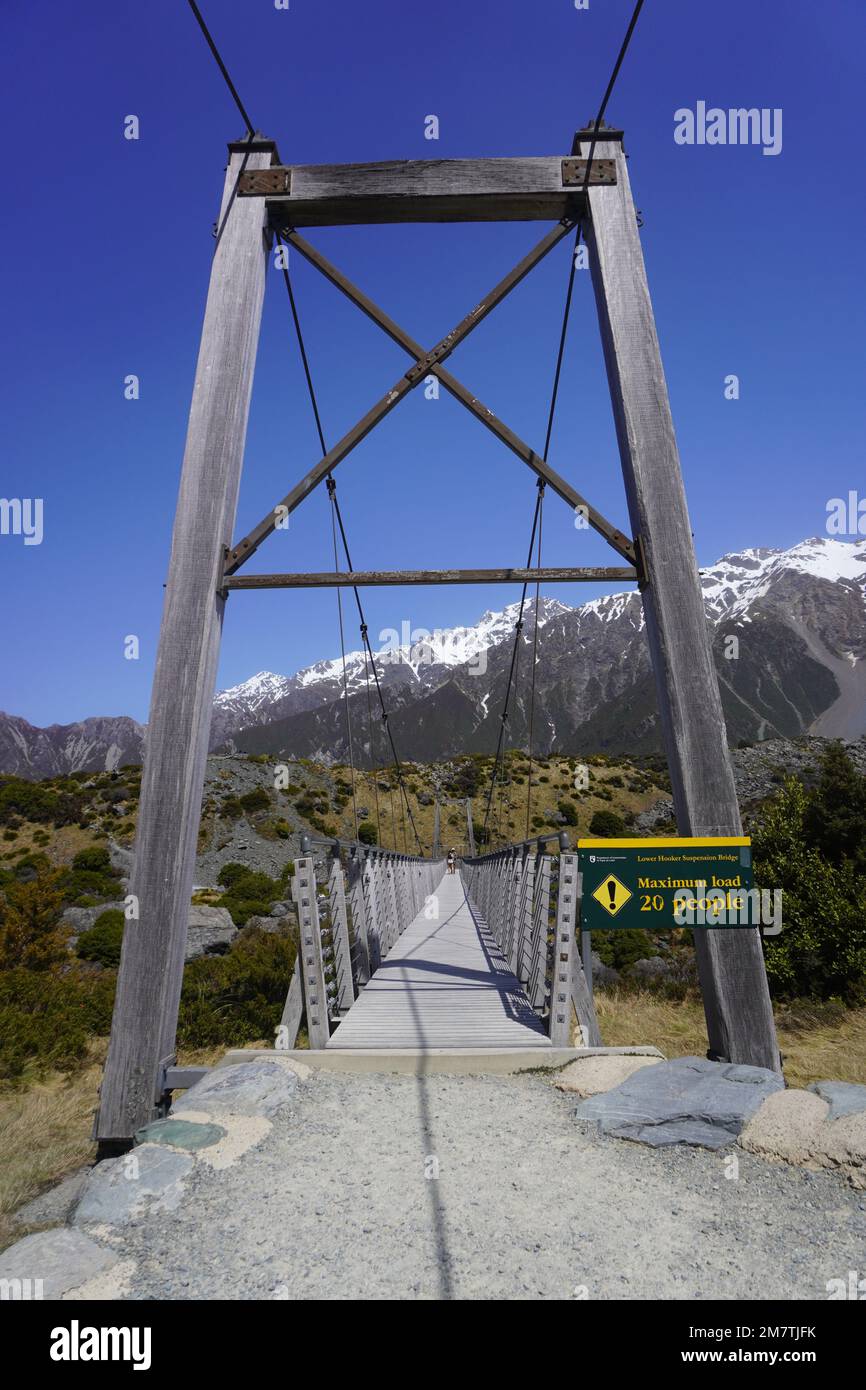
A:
(528, 1203)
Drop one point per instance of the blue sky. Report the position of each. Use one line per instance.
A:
(755, 265)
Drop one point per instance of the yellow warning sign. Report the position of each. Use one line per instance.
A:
(612, 894)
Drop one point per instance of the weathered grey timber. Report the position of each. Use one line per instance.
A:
(569, 974)
(361, 952)
(151, 966)
(310, 952)
(733, 979)
(345, 993)
(444, 983)
(293, 1010)
(531, 188)
(342, 579)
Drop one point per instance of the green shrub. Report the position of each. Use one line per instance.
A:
(48, 1020)
(96, 859)
(568, 810)
(257, 800)
(230, 873)
(32, 934)
(622, 947)
(367, 833)
(606, 824)
(835, 816)
(103, 940)
(231, 808)
(238, 997)
(821, 951)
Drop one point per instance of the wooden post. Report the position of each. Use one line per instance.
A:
(151, 966)
(733, 978)
(310, 951)
(359, 920)
(340, 935)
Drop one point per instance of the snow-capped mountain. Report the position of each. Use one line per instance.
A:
(798, 665)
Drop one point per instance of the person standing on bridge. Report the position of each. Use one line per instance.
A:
(452, 862)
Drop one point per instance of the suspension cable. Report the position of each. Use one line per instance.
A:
(221, 65)
(518, 628)
(534, 663)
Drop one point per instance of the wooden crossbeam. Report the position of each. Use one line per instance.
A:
(339, 579)
(542, 188)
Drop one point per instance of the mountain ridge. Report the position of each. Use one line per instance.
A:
(795, 621)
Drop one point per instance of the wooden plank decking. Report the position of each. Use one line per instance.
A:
(445, 983)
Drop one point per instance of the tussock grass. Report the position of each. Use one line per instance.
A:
(45, 1130)
(818, 1041)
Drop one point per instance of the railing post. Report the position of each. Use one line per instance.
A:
(340, 934)
(568, 982)
(537, 973)
(373, 912)
(359, 920)
(526, 918)
(312, 963)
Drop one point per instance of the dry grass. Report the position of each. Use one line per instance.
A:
(45, 1130)
(813, 1050)
(45, 1134)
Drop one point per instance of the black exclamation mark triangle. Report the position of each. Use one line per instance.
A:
(611, 893)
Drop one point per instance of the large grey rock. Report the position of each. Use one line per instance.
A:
(210, 929)
(653, 968)
(843, 1097)
(688, 1100)
(81, 919)
(259, 1087)
(150, 1178)
(270, 924)
(603, 974)
(53, 1205)
(61, 1259)
(120, 857)
(279, 909)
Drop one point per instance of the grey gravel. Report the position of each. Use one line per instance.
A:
(529, 1203)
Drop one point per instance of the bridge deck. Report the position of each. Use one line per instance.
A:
(445, 983)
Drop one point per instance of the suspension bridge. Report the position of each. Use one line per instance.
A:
(393, 952)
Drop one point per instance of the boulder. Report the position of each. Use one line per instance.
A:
(55, 1204)
(652, 968)
(210, 930)
(843, 1097)
(590, 1076)
(118, 1190)
(603, 974)
(265, 923)
(259, 1087)
(279, 910)
(59, 1260)
(81, 919)
(799, 1127)
(688, 1100)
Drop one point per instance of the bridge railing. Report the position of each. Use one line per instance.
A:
(354, 901)
(529, 900)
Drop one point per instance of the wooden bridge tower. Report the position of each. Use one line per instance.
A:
(262, 199)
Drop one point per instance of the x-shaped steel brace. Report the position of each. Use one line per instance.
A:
(429, 364)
